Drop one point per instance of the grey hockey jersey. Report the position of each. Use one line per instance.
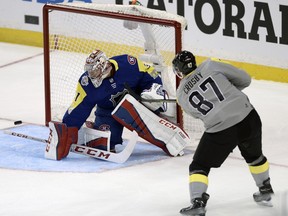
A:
(213, 94)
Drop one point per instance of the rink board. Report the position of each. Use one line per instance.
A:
(24, 154)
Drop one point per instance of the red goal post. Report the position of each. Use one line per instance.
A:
(72, 30)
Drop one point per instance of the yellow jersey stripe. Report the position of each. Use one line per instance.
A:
(114, 63)
(259, 169)
(80, 95)
(198, 178)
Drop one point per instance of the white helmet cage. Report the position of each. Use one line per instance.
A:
(96, 66)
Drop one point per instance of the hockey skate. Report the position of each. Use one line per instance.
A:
(263, 196)
(198, 206)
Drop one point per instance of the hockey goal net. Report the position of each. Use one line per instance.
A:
(73, 30)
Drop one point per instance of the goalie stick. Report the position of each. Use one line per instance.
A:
(156, 100)
(120, 157)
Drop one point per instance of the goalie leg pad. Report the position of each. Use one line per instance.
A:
(156, 130)
(99, 143)
(60, 140)
(95, 138)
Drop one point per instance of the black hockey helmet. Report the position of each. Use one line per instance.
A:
(184, 63)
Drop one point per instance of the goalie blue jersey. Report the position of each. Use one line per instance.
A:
(129, 70)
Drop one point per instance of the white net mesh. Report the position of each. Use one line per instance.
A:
(73, 35)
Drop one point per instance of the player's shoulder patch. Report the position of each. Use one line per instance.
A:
(84, 80)
(131, 59)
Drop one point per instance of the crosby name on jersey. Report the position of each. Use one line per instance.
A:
(191, 82)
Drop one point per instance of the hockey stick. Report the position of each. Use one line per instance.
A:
(120, 157)
(157, 100)
(25, 136)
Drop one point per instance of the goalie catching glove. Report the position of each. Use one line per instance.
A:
(155, 92)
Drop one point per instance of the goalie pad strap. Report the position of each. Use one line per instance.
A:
(94, 138)
(156, 130)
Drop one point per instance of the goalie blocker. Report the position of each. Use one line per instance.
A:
(154, 129)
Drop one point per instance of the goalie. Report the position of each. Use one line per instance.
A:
(103, 85)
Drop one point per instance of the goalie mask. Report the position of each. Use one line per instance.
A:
(184, 63)
(97, 66)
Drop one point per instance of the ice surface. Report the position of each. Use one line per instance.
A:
(154, 188)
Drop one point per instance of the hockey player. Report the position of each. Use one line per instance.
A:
(103, 85)
(212, 93)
